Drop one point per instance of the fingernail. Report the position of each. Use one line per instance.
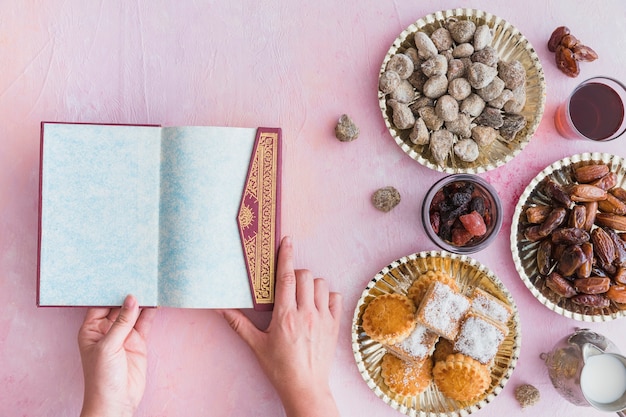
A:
(287, 241)
(129, 302)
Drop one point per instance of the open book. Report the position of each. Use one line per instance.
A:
(177, 216)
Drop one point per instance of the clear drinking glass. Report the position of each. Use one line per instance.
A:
(594, 111)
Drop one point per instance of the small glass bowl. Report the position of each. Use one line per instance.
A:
(492, 217)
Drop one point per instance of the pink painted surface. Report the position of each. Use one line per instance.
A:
(297, 65)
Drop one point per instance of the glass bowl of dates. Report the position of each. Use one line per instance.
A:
(568, 237)
(462, 213)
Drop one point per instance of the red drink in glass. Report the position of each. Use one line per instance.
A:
(595, 110)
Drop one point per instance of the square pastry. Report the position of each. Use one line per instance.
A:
(480, 337)
(418, 346)
(442, 310)
(490, 306)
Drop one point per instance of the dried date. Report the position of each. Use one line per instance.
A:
(589, 173)
(603, 247)
(614, 221)
(571, 259)
(612, 204)
(569, 51)
(577, 216)
(544, 257)
(592, 285)
(569, 41)
(566, 62)
(591, 210)
(584, 270)
(584, 53)
(620, 275)
(620, 247)
(557, 193)
(532, 233)
(560, 285)
(569, 235)
(554, 220)
(537, 214)
(606, 182)
(591, 300)
(617, 294)
(556, 37)
(619, 192)
(584, 193)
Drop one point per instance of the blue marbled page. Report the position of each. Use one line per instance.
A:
(100, 214)
(203, 173)
(144, 210)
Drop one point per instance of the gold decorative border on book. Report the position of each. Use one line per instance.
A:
(258, 216)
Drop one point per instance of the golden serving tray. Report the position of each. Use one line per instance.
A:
(510, 44)
(397, 278)
(525, 252)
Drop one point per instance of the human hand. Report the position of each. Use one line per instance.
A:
(297, 348)
(113, 351)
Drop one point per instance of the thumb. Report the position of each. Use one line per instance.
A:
(241, 325)
(123, 325)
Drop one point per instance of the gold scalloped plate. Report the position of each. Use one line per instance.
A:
(397, 278)
(525, 252)
(511, 45)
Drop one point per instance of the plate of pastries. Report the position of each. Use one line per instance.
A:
(436, 333)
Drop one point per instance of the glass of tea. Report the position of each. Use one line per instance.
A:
(594, 110)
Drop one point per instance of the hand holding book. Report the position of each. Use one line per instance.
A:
(297, 348)
(113, 349)
(295, 351)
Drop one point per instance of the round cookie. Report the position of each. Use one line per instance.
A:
(406, 378)
(461, 378)
(419, 287)
(389, 318)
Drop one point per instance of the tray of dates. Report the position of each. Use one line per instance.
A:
(568, 237)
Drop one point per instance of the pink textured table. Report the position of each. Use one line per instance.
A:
(297, 65)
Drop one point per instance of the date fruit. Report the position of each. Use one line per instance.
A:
(566, 62)
(537, 214)
(603, 247)
(584, 193)
(592, 285)
(607, 182)
(612, 204)
(560, 285)
(570, 235)
(591, 300)
(571, 259)
(589, 173)
(577, 216)
(614, 221)
(557, 36)
(584, 53)
(569, 51)
(557, 193)
(544, 257)
(554, 220)
(617, 293)
(584, 270)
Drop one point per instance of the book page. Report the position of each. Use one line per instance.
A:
(99, 219)
(203, 171)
